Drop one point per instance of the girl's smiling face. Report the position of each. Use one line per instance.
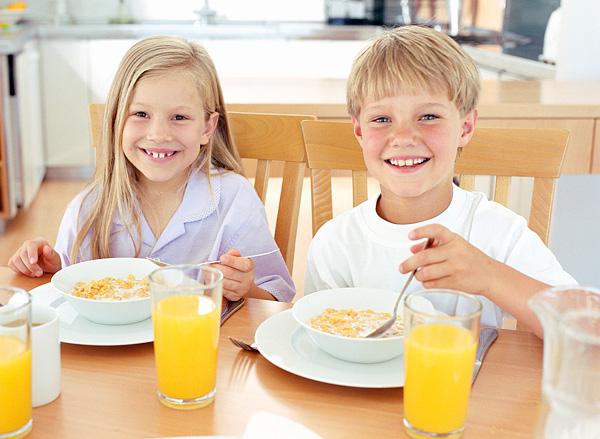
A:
(165, 127)
(409, 145)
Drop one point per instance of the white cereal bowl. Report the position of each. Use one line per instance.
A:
(356, 350)
(107, 312)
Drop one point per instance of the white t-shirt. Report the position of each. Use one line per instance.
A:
(360, 249)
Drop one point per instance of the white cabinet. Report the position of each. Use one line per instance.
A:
(30, 122)
(65, 83)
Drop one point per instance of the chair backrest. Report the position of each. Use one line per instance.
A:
(499, 152)
(266, 138)
(275, 137)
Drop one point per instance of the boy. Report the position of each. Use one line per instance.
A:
(411, 96)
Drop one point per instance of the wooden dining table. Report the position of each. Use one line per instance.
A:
(110, 391)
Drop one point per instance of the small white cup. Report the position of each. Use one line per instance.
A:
(45, 355)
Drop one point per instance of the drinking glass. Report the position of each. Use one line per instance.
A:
(186, 309)
(441, 333)
(15, 363)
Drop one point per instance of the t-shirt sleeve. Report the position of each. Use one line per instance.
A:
(253, 236)
(530, 256)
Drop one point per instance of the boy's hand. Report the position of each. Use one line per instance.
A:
(34, 258)
(238, 275)
(451, 262)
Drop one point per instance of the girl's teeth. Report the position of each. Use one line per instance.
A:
(159, 155)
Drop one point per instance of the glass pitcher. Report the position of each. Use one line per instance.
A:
(570, 318)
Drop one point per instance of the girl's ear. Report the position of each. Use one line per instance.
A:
(468, 128)
(210, 127)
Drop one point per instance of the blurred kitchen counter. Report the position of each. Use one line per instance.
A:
(220, 30)
(571, 105)
(326, 98)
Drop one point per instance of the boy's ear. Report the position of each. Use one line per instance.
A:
(357, 129)
(468, 128)
(209, 129)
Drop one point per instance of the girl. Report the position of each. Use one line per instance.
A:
(170, 184)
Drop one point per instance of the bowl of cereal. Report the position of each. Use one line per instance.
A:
(110, 291)
(334, 319)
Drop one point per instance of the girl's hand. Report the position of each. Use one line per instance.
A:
(451, 262)
(34, 258)
(238, 275)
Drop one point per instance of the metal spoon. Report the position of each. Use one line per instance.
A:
(388, 324)
(165, 264)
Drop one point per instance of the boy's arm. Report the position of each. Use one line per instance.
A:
(511, 290)
(455, 263)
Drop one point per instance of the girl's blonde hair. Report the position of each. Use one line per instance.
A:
(411, 60)
(115, 184)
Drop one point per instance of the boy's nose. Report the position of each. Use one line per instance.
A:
(159, 131)
(404, 135)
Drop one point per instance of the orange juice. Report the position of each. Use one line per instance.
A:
(438, 360)
(15, 384)
(186, 335)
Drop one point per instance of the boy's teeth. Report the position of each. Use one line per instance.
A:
(407, 162)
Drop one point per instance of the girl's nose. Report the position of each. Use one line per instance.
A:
(158, 131)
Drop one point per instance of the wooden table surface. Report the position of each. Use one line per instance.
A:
(111, 391)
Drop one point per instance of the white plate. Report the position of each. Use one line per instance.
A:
(76, 329)
(283, 342)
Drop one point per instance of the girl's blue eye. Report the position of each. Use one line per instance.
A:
(180, 117)
(140, 114)
(429, 117)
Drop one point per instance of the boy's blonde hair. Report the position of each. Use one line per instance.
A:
(115, 184)
(413, 59)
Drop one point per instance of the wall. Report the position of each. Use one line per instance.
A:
(100, 11)
(575, 235)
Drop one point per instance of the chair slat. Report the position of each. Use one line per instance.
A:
(541, 207)
(322, 206)
(467, 182)
(502, 190)
(286, 227)
(261, 179)
(359, 187)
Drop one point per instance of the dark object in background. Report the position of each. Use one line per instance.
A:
(355, 12)
(528, 18)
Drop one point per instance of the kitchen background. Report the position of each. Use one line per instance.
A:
(64, 55)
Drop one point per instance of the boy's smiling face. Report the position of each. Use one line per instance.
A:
(409, 145)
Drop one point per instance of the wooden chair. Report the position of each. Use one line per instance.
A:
(265, 138)
(275, 137)
(499, 152)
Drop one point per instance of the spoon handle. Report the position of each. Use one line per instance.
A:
(410, 278)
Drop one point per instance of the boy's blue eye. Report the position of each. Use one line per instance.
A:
(381, 119)
(429, 117)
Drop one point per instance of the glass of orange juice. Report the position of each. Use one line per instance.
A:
(186, 310)
(441, 335)
(15, 363)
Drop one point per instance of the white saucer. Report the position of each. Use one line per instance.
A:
(285, 344)
(76, 329)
